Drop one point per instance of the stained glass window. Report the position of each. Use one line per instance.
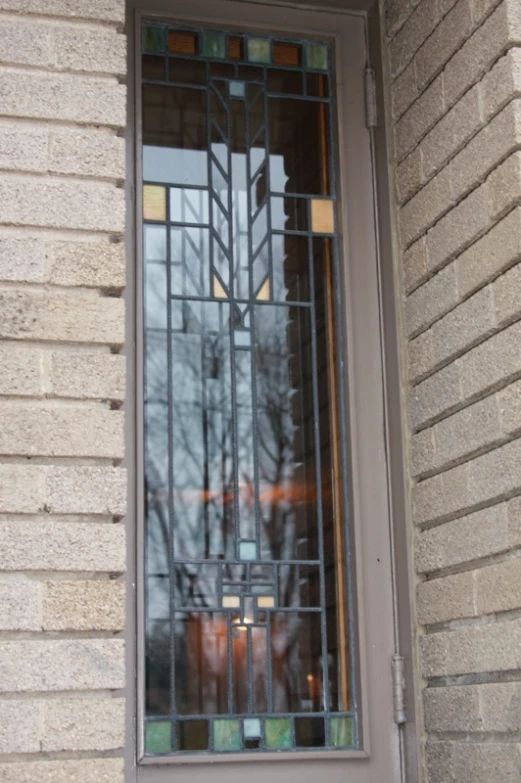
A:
(248, 620)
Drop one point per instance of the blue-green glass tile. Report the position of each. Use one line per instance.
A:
(278, 733)
(154, 38)
(247, 550)
(341, 732)
(226, 735)
(316, 57)
(158, 737)
(243, 340)
(259, 50)
(237, 90)
(213, 44)
(252, 728)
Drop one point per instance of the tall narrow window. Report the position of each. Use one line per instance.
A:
(248, 642)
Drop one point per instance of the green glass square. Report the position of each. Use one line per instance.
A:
(316, 57)
(278, 733)
(259, 50)
(247, 550)
(237, 90)
(213, 44)
(252, 728)
(226, 735)
(153, 38)
(342, 732)
(158, 737)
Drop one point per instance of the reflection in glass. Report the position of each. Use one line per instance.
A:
(246, 597)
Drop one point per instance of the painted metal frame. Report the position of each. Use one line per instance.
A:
(365, 381)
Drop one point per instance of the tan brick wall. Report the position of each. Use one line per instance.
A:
(62, 385)
(454, 87)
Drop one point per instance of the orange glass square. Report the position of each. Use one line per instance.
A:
(286, 54)
(154, 202)
(322, 216)
(181, 42)
(235, 48)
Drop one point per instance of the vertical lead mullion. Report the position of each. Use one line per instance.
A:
(253, 344)
(171, 510)
(318, 473)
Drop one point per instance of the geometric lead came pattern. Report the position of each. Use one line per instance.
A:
(248, 622)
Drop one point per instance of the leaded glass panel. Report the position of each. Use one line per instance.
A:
(247, 586)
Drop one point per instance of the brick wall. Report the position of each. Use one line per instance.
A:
(455, 89)
(62, 379)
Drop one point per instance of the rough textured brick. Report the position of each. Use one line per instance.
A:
(452, 709)
(451, 132)
(439, 496)
(415, 264)
(86, 490)
(446, 39)
(426, 207)
(398, 11)
(481, 534)
(22, 488)
(88, 264)
(88, 153)
(404, 91)
(22, 259)
(497, 139)
(78, 724)
(61, 203)
(463, 326)
(420, 355)
(61, 317)
(496, 473)
(87, 375)
(423, 452)
(63, 771)
(429, 302)
(62, 546)
(498, 587)
(52, 665)
(23, 43)
(435, 394)
(470, 430)
(472, 762)
(494, 707)
(456, 230)
(84, 606)
(490, 255)
(60, 431)
(416, 29)
(419, 118)
(19, 728)
(495, 647)
(501, 83)
(21, 374)
(504, 186)
(481, 50)
(409, 176)
(20, 600)
(494, 361)
(67, 97)
(74, 48)
(22, 147)
(100, 10)
(448, 598)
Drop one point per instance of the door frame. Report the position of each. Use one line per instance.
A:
(381, 331)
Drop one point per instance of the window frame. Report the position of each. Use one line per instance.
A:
(377, 331)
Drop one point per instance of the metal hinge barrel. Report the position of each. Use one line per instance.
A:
(398, 670)
(371, 117)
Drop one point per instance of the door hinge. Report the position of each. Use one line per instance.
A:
(370, 97)
(398, 670)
